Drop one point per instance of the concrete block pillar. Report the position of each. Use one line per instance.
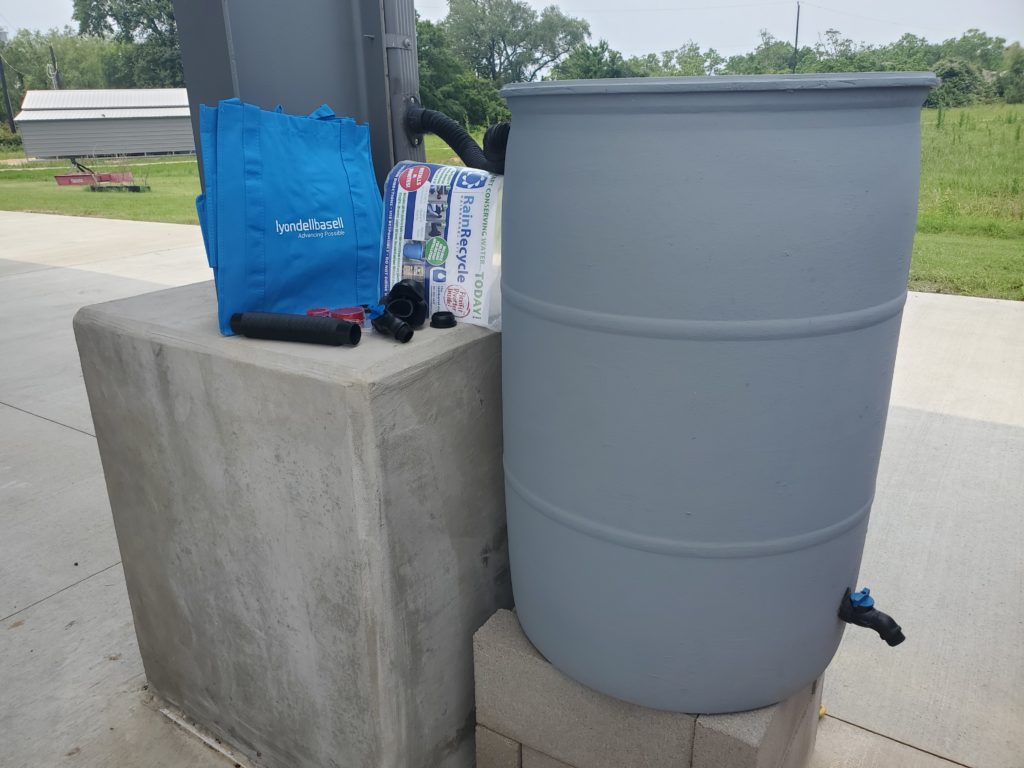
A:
(541, 719)
(310, 535)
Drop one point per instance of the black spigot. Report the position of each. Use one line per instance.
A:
(859, 608)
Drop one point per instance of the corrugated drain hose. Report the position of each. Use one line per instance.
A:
(490, 158)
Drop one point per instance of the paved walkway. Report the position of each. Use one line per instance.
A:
(942, 553)
(71, 681)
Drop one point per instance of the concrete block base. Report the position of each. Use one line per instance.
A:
(497, 751)
(542, 719)
(310, 535)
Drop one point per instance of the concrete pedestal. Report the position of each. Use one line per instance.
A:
(530, 715)
(310, 535)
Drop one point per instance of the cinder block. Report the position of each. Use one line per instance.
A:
(801, 746)
(496, 751)
(534, 759)
(560, 722)
(310, 535)
(520, 694)
(761, 738)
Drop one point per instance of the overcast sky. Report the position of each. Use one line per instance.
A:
(731, 26)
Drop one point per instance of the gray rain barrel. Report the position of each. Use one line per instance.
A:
(703, 281)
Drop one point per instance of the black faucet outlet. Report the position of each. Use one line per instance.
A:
(859, 608)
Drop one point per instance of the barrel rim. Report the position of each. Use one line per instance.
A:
(837, 81)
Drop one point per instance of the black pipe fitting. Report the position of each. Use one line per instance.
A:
(442, 319)
(406, 302)
(859, 608)
(389, 325)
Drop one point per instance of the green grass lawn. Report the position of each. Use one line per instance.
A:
(439, 152)
(970, 226)
(970, 231)
(968, 265)
(174, 182)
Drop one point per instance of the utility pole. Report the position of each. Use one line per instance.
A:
(54, 73)
(7, 98)
(796, 37)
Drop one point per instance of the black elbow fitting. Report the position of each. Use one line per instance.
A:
(389, 325)
(859, 608)
(405, 301)
(405, 308)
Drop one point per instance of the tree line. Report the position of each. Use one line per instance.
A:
(483, 44)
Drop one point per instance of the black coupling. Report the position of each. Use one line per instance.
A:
(442, 319)
(389, 325)
(405, 301)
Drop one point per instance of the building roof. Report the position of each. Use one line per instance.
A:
(103, 104)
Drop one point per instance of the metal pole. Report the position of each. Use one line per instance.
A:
(57, 84)
(796, 37)
(7, 98)
(403, 74)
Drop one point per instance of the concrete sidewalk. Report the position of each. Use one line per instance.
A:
(71, 682)
(941, 554)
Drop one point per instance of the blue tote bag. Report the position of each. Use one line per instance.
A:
(291, 214)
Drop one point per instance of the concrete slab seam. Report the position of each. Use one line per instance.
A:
(62, 589)
(46, 418)
(905, 744)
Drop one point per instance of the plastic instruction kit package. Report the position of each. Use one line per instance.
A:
(442, 228)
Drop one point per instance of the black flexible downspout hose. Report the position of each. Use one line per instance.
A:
(495, 144)
(420, 121)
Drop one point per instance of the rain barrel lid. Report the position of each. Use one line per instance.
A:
(724, 84)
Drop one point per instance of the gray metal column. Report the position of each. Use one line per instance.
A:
(359, 56)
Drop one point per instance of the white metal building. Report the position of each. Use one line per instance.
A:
(105, 122)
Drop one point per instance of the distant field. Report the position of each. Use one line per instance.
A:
(970, 228)
(174, 182)
(972, 171)
(970, 231)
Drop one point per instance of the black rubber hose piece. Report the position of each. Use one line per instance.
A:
(872, 618)
(275, 326)
(420, 121)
